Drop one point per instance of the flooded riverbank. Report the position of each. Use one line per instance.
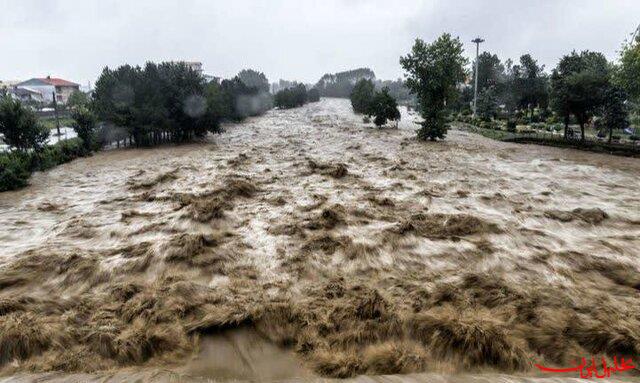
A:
(350, 250)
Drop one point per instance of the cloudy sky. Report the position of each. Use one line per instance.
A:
(291, 39)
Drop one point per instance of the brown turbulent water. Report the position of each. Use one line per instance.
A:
(302, 245)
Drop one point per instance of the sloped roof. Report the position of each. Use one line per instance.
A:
(58, 82)
(53, 81)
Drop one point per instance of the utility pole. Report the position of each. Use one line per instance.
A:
(55, 112)
(477, 41)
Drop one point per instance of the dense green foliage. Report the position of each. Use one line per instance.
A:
(254, 79)
(171, 101)
(578, 86)
(20, 127)
(383, 107)
(487, 107)
(615, 114)
(313, 95)
(362, 95)
(17, 166)
(433, 72)
(295, 96)
(291, 97)
(628, 74)
(77, 99)
(240, 101)
(491, 71)
(84, 124)
(528, 86)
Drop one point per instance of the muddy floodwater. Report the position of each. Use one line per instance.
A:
(304, 245)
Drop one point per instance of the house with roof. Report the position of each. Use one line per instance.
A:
(50, 86)
(26, 94)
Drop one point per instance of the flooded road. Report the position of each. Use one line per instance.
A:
(340, 250)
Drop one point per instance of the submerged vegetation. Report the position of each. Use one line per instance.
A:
(362, 251)
(366, 100)
(295, 96)
(426, 274)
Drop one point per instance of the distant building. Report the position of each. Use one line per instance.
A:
(26, 94)
(210, 78)
(49, 86)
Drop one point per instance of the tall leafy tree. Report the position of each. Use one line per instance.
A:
(529, 84)
(628, 73)
(78, 99)
(487, 103)
(84, 124)
(254, 79)
(490, 71)
(362, 95)
(615, 114)
(433, 71)
(578, 86)
(20, 126)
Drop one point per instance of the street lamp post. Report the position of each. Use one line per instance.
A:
(477, 41)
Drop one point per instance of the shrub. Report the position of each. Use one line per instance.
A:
(84, 125)
(14, 170)
(291, 97)
(20, 126)
(16, 167)
(383, 107)
(313, 95)
(511, 126)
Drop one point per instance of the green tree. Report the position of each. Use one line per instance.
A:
(615, 114)
(362, 95)
(490, 71)
(383, 107)
(84, 124)
(254, 79)
(292, 97)
(529, 84)
(578, 86)
(160, 101)
(628, 73)
(313, 95)
(433, 72)
(487, 104)
(77, 99)
(20, 126)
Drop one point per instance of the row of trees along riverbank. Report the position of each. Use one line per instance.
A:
(584, 95)
(146, 106)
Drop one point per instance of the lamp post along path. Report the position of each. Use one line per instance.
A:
(477, 41)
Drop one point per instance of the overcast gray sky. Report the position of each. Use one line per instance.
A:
(291, 39)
